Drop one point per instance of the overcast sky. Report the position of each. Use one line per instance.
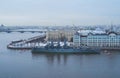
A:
(59, 12)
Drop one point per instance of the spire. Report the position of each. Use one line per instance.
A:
(111, 27)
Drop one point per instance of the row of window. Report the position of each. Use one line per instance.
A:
(98, 38)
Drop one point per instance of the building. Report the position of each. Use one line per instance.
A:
(60, 35)
(110, 39)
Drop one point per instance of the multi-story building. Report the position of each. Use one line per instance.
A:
(111, 39)
(60, 35)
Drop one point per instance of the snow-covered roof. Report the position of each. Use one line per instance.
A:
(98, 32)
(86, 32)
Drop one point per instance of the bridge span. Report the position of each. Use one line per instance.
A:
(27, 30)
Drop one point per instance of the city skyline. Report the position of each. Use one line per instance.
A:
(63, 12)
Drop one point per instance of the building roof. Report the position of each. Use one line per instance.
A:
(84, 33)
(87, 32)
(112, 32)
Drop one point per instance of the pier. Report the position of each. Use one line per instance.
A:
(27, 43)
(40, 41)
(112, 48)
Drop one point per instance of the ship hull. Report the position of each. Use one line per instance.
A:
(65, 51)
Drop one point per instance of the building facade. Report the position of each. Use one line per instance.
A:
(60, 35)
(111, 39)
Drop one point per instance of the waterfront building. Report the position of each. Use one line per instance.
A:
(61, 35)
(101, 39)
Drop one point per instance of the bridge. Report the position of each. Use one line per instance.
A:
(27, 30)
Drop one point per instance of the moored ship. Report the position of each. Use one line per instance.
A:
(50, 48)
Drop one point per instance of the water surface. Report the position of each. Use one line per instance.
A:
(24, 64)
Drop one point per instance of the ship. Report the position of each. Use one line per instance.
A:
(65, 49)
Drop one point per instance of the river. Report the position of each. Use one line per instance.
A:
(24, 64)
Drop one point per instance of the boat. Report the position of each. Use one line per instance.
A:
(50, 48)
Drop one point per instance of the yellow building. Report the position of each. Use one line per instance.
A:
(60, 35)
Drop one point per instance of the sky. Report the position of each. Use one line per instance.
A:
(59, 12)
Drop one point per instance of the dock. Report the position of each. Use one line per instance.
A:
(27, 43)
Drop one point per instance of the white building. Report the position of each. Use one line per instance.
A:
(61, 35)
(102, 39)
